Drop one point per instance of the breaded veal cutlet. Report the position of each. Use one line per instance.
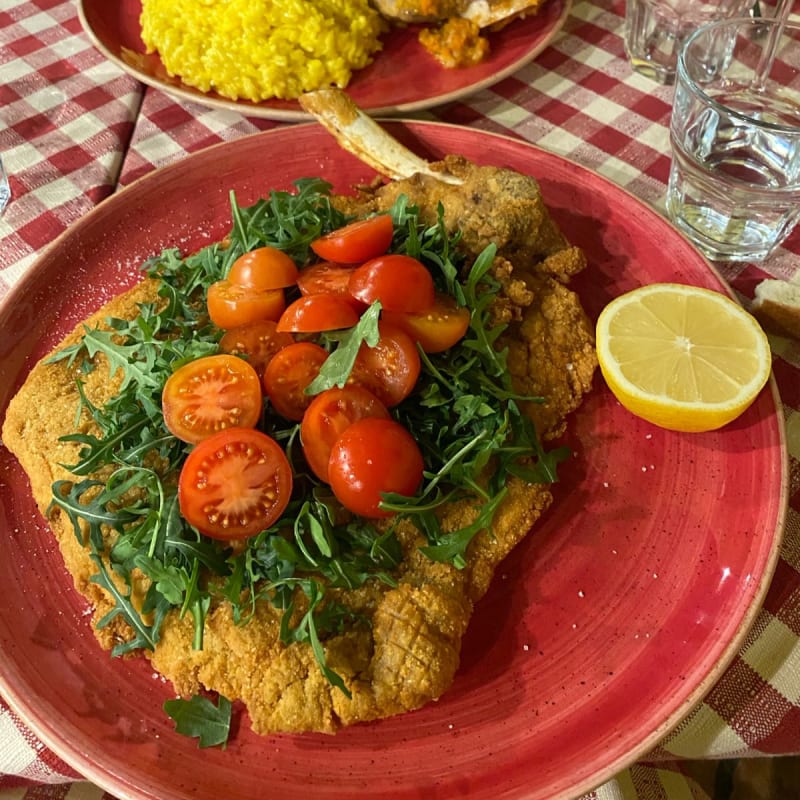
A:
(409, 653)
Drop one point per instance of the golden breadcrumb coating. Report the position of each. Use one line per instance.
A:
(408, 654)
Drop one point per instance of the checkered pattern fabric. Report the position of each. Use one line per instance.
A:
(73, 128)
(66, 117)
(26, 761)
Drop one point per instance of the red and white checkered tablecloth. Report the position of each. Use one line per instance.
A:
(73, 128)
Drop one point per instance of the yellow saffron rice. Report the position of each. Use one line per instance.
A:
(260, 49)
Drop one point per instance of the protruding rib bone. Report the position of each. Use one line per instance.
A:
(360, 135)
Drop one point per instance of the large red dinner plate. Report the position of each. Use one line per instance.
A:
(601, 630)
(402, 78)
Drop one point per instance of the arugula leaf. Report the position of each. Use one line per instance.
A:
(201, 719)
(169, 581)
(433, 246)
(94, 513)
(452, 546)
(337, 366)
(145, 637)
(307, 631)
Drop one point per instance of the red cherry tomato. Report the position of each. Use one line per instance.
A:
(357, 241)
(371, 457)
(316, 313)
(328, 416)
(257, 342)
(262, 269)
(327, 278)
(391, 368)
(436, 329)
(235, 484)
(210, 394)
(400, 282)
(288, 375)
(231, 305)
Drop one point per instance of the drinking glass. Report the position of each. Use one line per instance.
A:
(656, 29)
(5, 188)
(734, 185)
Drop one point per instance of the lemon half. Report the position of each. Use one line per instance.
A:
(682, 357)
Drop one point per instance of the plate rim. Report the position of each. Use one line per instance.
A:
(102, 777)
(261, 111)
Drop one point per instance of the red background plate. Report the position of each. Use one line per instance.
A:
(402, 78)
(600, 631)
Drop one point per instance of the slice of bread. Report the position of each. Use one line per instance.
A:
(777, 306)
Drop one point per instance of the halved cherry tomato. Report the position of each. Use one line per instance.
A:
(400, 282)
(262, 269)
(391, 368)
(316, 313)
(288, 375)
(258, 342)
(327, 278)
(331, 412)
(210, 394)
(371, 457)
(231, 305)
(436, 329)
(235, 484)
(356, 242)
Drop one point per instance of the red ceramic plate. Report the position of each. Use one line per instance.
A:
(599, 633)
(402, 78)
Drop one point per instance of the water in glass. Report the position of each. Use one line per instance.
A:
(735, 188)
(656, 29)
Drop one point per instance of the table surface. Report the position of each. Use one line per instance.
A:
(74, 128)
